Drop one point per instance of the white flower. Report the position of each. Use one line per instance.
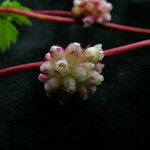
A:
(73, 69)
(61, 66)
(92, 11)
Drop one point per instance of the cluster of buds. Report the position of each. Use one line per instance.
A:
(72, 69)
(92, 11)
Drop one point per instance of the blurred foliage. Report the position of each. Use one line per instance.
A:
(8, 31)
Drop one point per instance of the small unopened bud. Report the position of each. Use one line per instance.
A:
(83, 92)
(69, 85)
(99, 67)
(45, 67)
(92, 89)
(43, 77)
(87, 65)
(77, 2)
(80, 74)
(88, 21)
(52, 84)
(94, 54)
(57, 53)
(107, 17)
(95, 78)
(74, 49)
(47, 57)
(109, 6)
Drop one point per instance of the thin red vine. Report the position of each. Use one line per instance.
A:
(107, 53)
(56, 16)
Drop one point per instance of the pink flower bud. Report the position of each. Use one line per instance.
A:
(45, 67)
(109, 6)
(47, 57)
(57, 53)
(43, 77)
(88, 21)
(107, 17)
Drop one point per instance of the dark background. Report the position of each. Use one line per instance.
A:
(116, 117)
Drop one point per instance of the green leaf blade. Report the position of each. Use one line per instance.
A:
(8, 34)
(21, 20)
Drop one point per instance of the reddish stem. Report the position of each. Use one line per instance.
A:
(105, 25)
(37, 16)
(54, 12)
(20, 68)
(110, 52)
(69, 19)
(125, 28)
(127, 48)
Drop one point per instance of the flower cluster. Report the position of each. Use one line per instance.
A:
(92, 11)
(72, 69)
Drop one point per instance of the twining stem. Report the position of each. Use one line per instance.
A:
(37, 16)
(56, 16)
(127, 48)
(107, 53)
(105, 25)
(125, 28)
(20, 68)
(54, 12)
